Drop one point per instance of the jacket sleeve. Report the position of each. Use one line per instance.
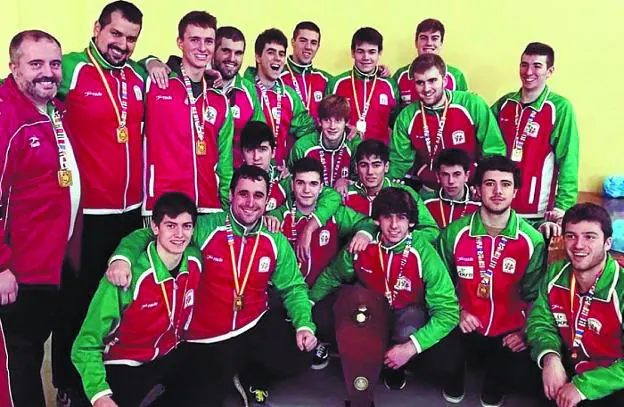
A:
(8, 165)
(68, 63)
(87, 352)
(600, 382)
(298, 150)
(302, 123)
(225, 165)
(132, 246)
(328, 202)
(462, 84)
(279, 213)
(565, 142)
(427, 226)
(340, 270)
(487, 131)
(535, 269)
(401, 150)
(291, 286)
(446, 251)
(350, 222)
(440, 298)
(258, 113)
(394, 113)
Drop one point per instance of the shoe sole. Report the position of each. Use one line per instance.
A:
(399, 388)
(500, 404)
(451, 399)
(320, 366)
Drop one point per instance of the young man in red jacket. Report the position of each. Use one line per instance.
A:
(39, 198)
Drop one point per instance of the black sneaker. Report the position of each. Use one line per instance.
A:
(394, 379)
(492, 399)
(258, 396)
(321, 356)
(453, 391)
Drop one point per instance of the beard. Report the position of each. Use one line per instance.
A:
(30, 87)
(495, 211)
(110, 59)
(225, 72)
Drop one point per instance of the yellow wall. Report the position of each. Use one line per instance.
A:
(484, 38)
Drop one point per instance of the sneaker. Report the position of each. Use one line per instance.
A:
(453, 392)
(258, 396)
(492, 399)
(321, 356)
(394, 379)
(241, 390)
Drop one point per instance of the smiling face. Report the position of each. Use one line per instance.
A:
(249, 200)
(366, 57)
(116, 40)
(371, 172)
(394, 227)
(306, 187)
(173, 235)
(585, 245)
(333, 129)
(228, 57)
(305, 45)
(197, 46)
(497, 191)
(271, 61)
(534, 71)
(429, 42)
(37, 69)
(429, 86)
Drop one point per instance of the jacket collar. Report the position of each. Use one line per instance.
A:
(161, 273)
(361, 75)
(463, 201)
(298, 68)
(100, 59)
(362, 189)
(449, 99)
(242, 230)
(537, 104)
(397, 247)
(325, 148)
(27, 108)
(477, 228)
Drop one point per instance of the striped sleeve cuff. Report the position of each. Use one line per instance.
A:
(101, 394)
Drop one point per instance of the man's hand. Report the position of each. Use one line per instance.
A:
(105, 401)
(515, 341)
(8, 287)
(550, 229)
(475, 193)
(553, 376)
(283, 171)
(304, 241)
(342, 187)
(384, 71)
(351, 132)
(468, 322)
(215, 76)
(119, 274)
(359, 242)
(398, 355)
(568, 396)
(554, 215)
(158, 73)
(272, 223)
(306, 341)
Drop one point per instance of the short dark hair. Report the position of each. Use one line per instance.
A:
(368, 35)
(306, 25)
(452, 156)
(306, 164)
(422, 63)
(498, 163)
(199, 18)
(589, 212)
(371, 147)
(128, 11)
(393, 200)
(231, 33)
(249, 172)
(34, 35)
(173, 204)
(430, 25)
(272, 35)
(539, 48)
(335, 106)
(255, 133)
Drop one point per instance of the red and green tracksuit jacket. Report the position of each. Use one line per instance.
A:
(139, 325)
(311, 82)
(445, 210)
(37, 215)
(600, 368)
(550, 159)
(244, 106)
(424, 282)
(295, 121)
(469, 126)
(325, 240)
(454, 80)
(515, 278)
(111, 171)
(358, 200)
(171, 159)
(383, 103)
(215, 318)
(337, 161)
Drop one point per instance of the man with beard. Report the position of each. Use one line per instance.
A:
(308, 81)
(283, 108)
(241, 95)
(188, 127)
(575, 325)
(40, 194)
(103, 93)
(440, 119)
(496, 260)
(429, 40)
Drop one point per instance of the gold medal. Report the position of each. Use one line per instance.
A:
(200, 147)
(360, 126)
(516, 155)
(64, 178)
(238, 303)
(122, 134)
(483, 291)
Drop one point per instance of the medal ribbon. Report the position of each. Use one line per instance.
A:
(123, 116)
(199, 124)
(334, 169)
(465, 203)
(362, 115)
(275, 124)
(61, 138)
(579, 332)
(308, 96)
(392, 294)
(520, 139)
(239, 288)
(168, 305)
(433, 149)
(486, 274)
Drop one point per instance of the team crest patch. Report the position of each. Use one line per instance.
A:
(264, 264)
(533, 130)
(138, 93)
(383, 99)
(318, 96)
(509, 265)
(271, 204)
(235, 112)
(459, 137)
(324, 237)
(594, 325)
(189, 298)
(275, 113)
(466, 272)
(344, 172)
(211, 115)
(561, 320)
(403, 284)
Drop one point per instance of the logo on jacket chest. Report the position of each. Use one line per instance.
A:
(383, 99)
(235, 112)
(594, 325)
(149, 305)
(403, 284)
(138, 93)
(271, 204)
(318, 96)
(163, 97)
(466, 272)
(264, 264)
(324, 237)
(459, 137)
(210, 115)
(561, 319)
(189, 298)
(533, 129)
(509, 265)
(34, 142)
(214, 258)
